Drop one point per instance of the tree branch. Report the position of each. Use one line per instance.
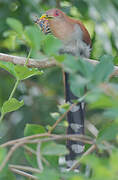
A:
(33, 63)
(44, 63)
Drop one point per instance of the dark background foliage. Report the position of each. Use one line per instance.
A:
(43, 94)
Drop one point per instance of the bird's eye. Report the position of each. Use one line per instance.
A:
(56, 13)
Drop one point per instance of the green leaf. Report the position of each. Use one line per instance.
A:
(103, 101)
(93, 95)
(60, 58)
(7, 174)
(23, 72)
(111, 113)
(11, 105)
(100, 167)
(51, 174)
(70, 64)
(30, 157)
(104, 69)
(3, 153)
(109, 132)
(55, 115)
(51, 45)
(64, 106)
(20, 72)
(114, 161)
(8, 67)
(34, 36)
(85, 68)
(54, 149)
(91, 160)
(77, 84)
(31, 129)
(15, 24)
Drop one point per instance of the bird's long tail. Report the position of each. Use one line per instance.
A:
(75, 118)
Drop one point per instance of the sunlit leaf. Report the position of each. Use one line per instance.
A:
(104, 69)
(15, 24)
(109, 132)
(54, 149)
(11, 105)
(31, 129)
(23, 72)
(51, 45)
(85, 68)
(8, 67)
(77, 85)
(52, 174)
(70, 64)
(34, 37)
(3, 153)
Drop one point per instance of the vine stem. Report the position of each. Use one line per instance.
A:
(11, 95)
(16, 84)
(27, 60)
(18, 81)
(14, 89)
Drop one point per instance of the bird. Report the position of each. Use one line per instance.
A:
(76, 41)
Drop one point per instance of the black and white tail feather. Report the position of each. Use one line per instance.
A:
(75, 118)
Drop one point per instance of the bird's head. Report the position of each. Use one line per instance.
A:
(51, 17)
(53, 14)
(55, 21)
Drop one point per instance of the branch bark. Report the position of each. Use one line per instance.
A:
(33, 63)
(44, 63)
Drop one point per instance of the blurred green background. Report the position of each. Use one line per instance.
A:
(43, 94)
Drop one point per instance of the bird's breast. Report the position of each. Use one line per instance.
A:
(61, 30)
(72, 36)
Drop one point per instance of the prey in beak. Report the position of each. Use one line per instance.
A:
(43, 23)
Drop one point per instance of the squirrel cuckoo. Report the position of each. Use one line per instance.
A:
(76, 41)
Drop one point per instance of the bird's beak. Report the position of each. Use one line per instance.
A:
(45, 16)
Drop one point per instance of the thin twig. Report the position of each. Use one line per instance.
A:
(35, 141)
(29, 149)
(38, 156)
(80, 138)
(25, 168)
(23, 173)
(60, 119)
(54, 137)
(24, 139)
(34, 152)
(45, 161)
(8, 156)
(75, 137)
(89, 151)
(27, 140)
